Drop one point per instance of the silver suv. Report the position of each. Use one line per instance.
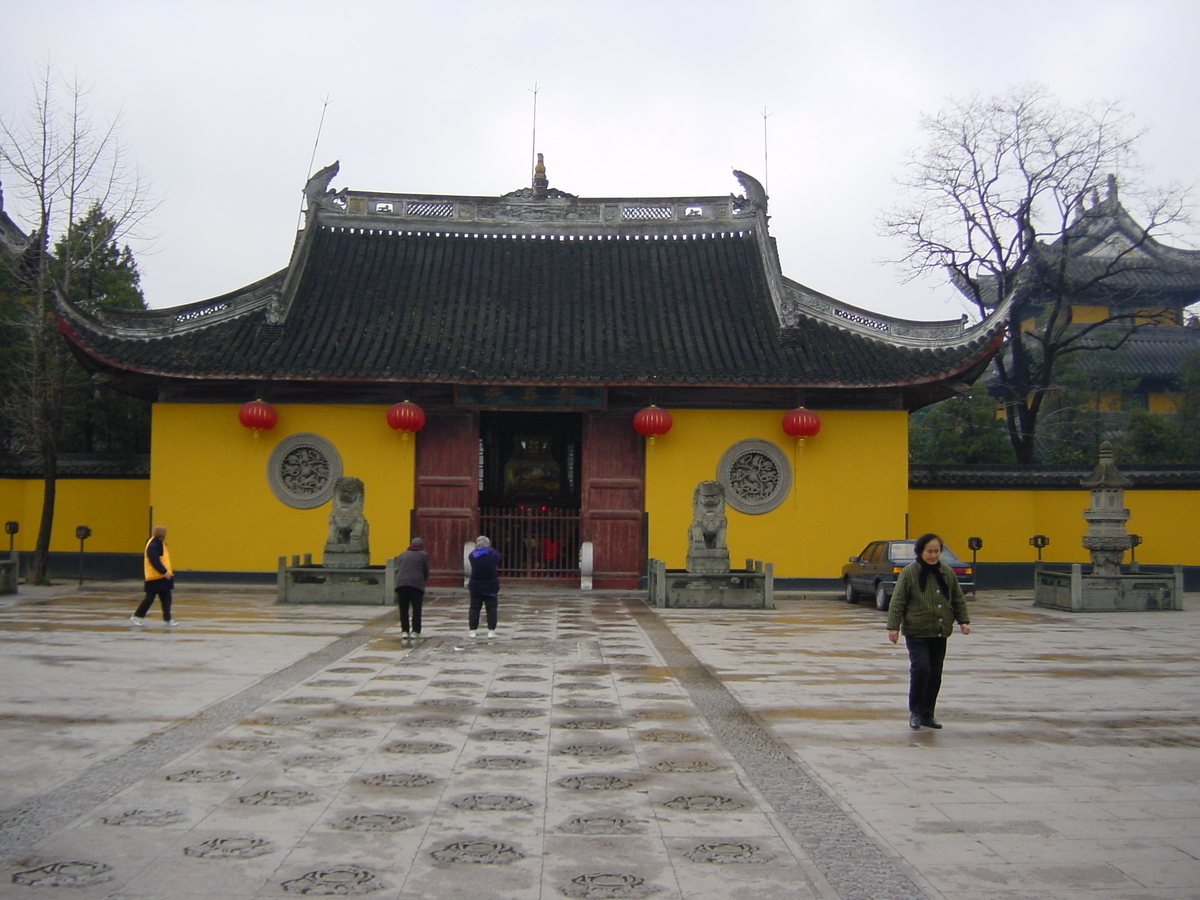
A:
(874, 571)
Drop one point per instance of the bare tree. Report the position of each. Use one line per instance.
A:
(1003, 197)
(63, 163)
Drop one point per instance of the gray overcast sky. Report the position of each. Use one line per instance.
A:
(637, 97)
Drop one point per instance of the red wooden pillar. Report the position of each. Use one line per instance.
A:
(613, 500)
(447, 492)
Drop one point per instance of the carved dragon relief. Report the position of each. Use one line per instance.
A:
(755, 198)
(317, 193)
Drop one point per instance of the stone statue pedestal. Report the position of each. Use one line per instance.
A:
(339, 557)
(708, 562)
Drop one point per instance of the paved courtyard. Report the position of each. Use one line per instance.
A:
(595, 749)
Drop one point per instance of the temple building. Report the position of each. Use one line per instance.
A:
(522, 335)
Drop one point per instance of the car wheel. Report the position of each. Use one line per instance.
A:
(851, 593)
(882, 598)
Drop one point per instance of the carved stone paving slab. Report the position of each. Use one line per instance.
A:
(652, 714)
(282, 797)
(608, 886)
(644, 679)
(336, 882)
(402, 677)
(654, 695)
(447, 702)
(524, 666)
(306, 701)
(372, 712)
(484, 852)
(321, 762)
(247, 745)
(593, 783)
(418, 747)
(589, 724)
(503, 802)
(727, 852)
(374, 822)
(517, 695)
(595, 751)
(203, 776)
(583, 672)
(341, 670)
(669, 737)
(73, 874)
(455, 684)
(399, 780)
(529, 679)
(432, 722)
(587, 703)
(278, 721)
(705, 803)
(332, 734)
(373, 659)
(384, 692)
(581, 686)
(496, 734)
(601, 825)
(231, 848)
(145, 818)
(463, 672)
(503, 762)
(628, 656)
(330, 682)
(511, 713)
(684, 766)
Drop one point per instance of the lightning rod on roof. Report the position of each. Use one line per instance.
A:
(320, 125)
(766, 171)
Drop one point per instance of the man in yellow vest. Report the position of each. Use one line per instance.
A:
(160, 578)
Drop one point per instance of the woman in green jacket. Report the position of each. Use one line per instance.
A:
(926, 604)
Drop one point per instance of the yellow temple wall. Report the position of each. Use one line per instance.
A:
(208, 484)
(849, 486)
(1006, 520)
(116, 509)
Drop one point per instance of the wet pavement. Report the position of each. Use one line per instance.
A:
(596, 748)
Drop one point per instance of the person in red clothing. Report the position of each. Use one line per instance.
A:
(160, 578)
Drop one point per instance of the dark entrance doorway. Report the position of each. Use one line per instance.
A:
(529, 491)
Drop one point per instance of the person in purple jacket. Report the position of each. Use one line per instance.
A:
(484, 585)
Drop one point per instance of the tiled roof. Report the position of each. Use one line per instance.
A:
(78, 465)
(1153, 351)
(1048, 478)
(379, 305)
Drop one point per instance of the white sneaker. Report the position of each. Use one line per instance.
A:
(491, 634)
(136, 621)
(171, 623)
(404, 635)
(470, 634)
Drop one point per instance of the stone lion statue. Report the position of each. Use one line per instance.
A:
(347, 527)
(708, 517)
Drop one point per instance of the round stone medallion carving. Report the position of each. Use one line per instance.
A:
(502, 802)
(601, 825)
(756, 476)
(503, 762)
(432, 722)
(594, 751)
(203, 776)
(150, 818)
(593, 783)
(607, 886)
(728, 852)
(705, 803)
(336, 882)
(496, 734)
(417, 747)
(517, 695)
(321, 762)
(669, 737)
(73, 874)
(247, 745)
(587, 703)
(447, 702)
(477, 852)
(684, 766)
(374, 822)
(284, 797)
(230, 848)
(513, 713)
(302, 470)
(398, 779)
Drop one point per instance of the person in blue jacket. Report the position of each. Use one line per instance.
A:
(484, 585)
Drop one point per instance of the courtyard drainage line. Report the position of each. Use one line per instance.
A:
(846, 857)
(43, 814)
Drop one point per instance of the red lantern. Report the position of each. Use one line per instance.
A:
(801, 423)
(259, 415)
(652, 422)
(406, 418)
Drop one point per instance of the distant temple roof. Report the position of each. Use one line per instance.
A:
(537, 287)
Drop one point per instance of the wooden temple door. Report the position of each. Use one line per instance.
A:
(447, 492)
(613, 500)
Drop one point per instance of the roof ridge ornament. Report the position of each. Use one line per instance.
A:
(755, 198)
(540, 181)
(316, 191)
